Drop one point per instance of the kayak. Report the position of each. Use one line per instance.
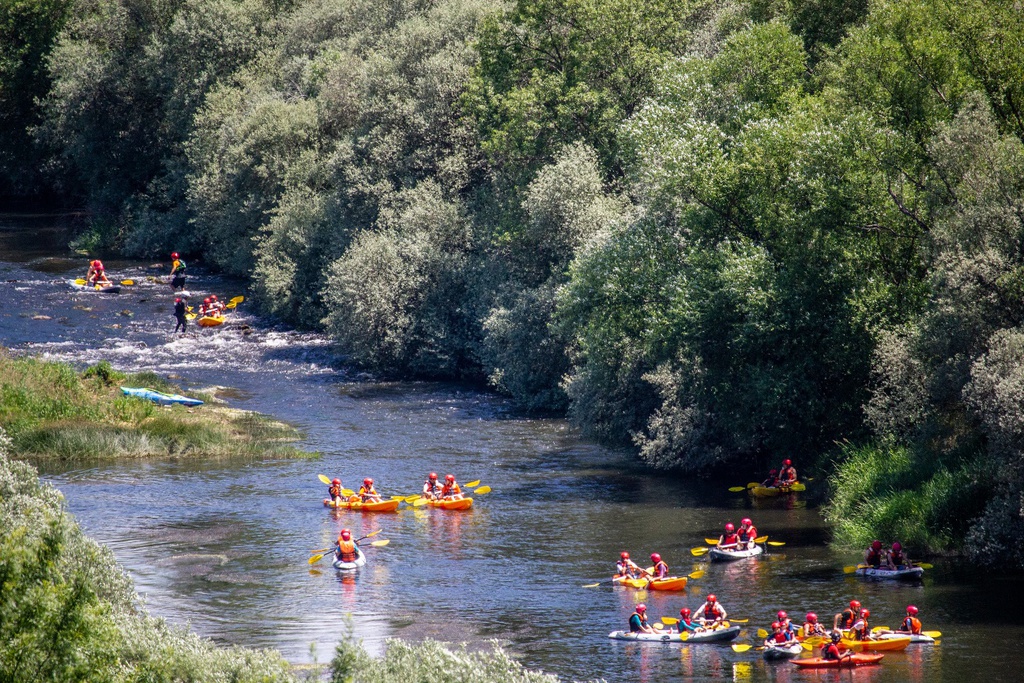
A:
(646, 637)
(669, 583)
(209, 321)
(782, 651)
(161, 398)
(459, 504)
(919, 638)
(720, 635)
(887, 645)
(355, 564)
(901, 572)
(112, 288)
(771, 491)
(717, 555)
(382, 506)
(853, 660)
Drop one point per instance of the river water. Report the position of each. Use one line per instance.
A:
(223, 545)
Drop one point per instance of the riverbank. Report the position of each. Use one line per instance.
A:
(51, 410)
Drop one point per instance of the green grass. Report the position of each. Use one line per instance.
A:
(50, 410)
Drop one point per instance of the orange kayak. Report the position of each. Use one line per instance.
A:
(459, 504)
(890, 644)
(669, 583)
(853, 660)
(382, 506)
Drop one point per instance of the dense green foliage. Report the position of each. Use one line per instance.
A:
(50, 410)
(720, 231)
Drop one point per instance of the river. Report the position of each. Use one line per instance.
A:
(222, 545)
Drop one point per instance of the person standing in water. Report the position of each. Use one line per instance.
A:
(179, 313)
(177, 272)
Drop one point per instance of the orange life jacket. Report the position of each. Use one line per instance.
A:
(452, 490)
(912, 624)
(347, 551)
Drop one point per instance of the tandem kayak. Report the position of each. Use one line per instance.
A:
(852, 660)
(355, 564)
(887, 645)
(772, 491)
(721, 635)
(717, 555)
(457, 504)
(900, 573)
(665, 637)
(669, 583)
(915, 638)
(782, 651)
(209, 321)
(161, 398)
(112, 288)
(381, 506)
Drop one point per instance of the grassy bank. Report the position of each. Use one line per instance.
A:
(51, 410)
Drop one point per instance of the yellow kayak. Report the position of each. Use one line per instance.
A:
(770, 491)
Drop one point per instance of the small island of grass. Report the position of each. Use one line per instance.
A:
(50, 410)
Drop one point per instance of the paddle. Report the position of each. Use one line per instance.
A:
(471, 484)
(671, 621)
(696, 575)
(128, 283)
(932, 634)
(235, 301)
(381, 543)
(760, 539)
(761, 633)
(922, 565)
(737, 489)
(740, 621)
(482, 490)
(711, 541)
(879, 629)
(740, 647)
(324, 479)
(852, 568)
(776, 544)
(697, 552)
(375, 544)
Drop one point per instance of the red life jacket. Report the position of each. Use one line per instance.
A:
(830, 651)
(874, 558)
(730, 539)
(711, 611)
(779, 637)
(897, 558)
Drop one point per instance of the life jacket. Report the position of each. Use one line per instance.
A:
(347, 551)
(779, 637)
(874, 558)
(897, 558)
(912, 624)
(178, 267)
(431, 487)
(863, 632)
(830, 651)
(809, 629)
(637, 621)
(622, 568)
(364, 493)
(661, 569)
(711, 611)
(730, 539)
(847, 619)
(787, 474)
(743, 535)
(452, 490)
(334, 491)
(751, 533)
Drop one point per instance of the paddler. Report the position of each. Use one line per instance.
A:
(772, 480)
(747, 534)
(638, 620)
(205, 309)
(787, 624)
(896, 558)
(729, 540)
(179, 314)
(911, 625)
(334, 490)
(660, 569)
(96, 274)
(368, 494)
(779, 637)
(846, 619)
(431, 487)
(451, 489)
(686, 623)
(177, 272)
(787, 473)
(711, 613)
(811, 627)
(627, 568)
(874, 555)
(346, 551)
(861, 629)
(830, 650)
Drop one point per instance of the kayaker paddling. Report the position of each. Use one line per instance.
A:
(896, 558)
(626, 568)
(874, 555)
(431, 487)
(367, 493)
(861, 630)
(638, 620)
(730, 540)
(779, 637)
(830, 651)
(787, 624)
(96, 275)
(811, 627)
(451, 489)
(660, 568)
(787, 474)
(334, 491)
(911, 625)
(711, 613)
(346, 550)
(746, 534)
(686, 623)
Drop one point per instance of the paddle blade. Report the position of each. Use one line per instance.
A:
(482, 490)
(420, 502)
(669, 620)
(373, 533)
(685, 635)
(737, 489)
(711, 541)
(932, 634)
(925, 565)
(849, 569)
(381, 544)
(414, 498)
(806, 646)
(776, 543)
(324, 479)
(191, 316)
(128, 283)
(316, 558)
(697, 574)
(740, 621)
(753, 484)
(236, 300)
(761, 633)
(80, 281)
(401, 498)
(879, 629)
(591, 585)
(697, 552)
(471, 484)
(348, 492)
(740, 647)
(760, 539)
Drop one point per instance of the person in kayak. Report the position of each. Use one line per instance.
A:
(368, 494)
(729, 540)
(711, 613)
(845, 619)
(787, 624)
(334, 490)
(638, 620)
(779, 637)
(874, 555)
(772, 480)
(177, 272)
(179, 314)
(811, 627)
(686, 623)
(660, 570)
(204, 308)
(911, 624)
(451, 489)
(747, 534)
(96, 274)
(431, 487)
(627, 568)
(346, 551)
(896, 558)
(861, 629)
(830, 650)
(217, 306)
(787, 473)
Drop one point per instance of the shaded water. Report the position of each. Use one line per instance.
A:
(223, 544)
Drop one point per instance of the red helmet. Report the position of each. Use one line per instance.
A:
(655, 558)
(712, 598)
(213, 296)
(776, 625)
(206, 300)
(685, 612)
(897, 546)
(787, 463)
(773, 472)
(177, 300)
(641, 608)
(782, 615)
(346, 534)
(911, 610)
(876, 545)
(854, 604)
(367, 482)
(864, 614)
(812, 617)
(174, 255)
(729, 528)
(433, 476)
(624, 555)
(336, 481)
(449, 477)
(746, 522)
